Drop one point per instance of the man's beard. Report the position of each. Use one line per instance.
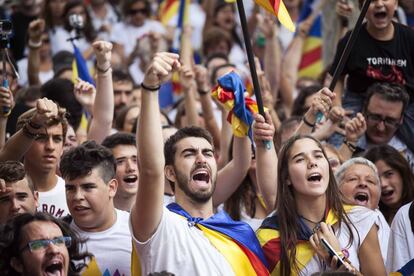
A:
(198, 196)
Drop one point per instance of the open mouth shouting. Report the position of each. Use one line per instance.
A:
(314, 177)
(130, 180)
(361, 198)
(54, 268)
(201, 177)
(386, 195)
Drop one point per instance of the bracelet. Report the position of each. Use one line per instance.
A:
(33, 45)
(102, 71)
(27, 133)
(202, 92)
(345, 252)
(34, 125)
(6, 114)
(307, 122)
(351, 146)
(153, 89)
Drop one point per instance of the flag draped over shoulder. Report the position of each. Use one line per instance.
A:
(230, 92)
(277, 7)
(311, 63)
(406, 270)
(80, 68)
(235, 240)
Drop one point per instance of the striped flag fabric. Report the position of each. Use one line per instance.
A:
(230, 92)
(278, 8)
(235, 240)
(311, 64)
(80, 68)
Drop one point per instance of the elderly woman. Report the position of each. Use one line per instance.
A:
(359, 182)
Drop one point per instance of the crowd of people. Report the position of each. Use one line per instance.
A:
(140, 170)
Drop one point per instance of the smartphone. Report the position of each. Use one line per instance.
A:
(332, 253)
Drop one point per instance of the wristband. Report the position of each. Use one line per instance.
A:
(34, 125)
(345, 252)
(102, 71)
(28, 134)
(308, 123)
(33, 45)
(152, 89)
(351, 146)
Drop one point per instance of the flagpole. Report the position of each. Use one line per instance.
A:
(347, 50)
(252, 65)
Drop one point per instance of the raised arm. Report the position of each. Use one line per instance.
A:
(20, 142)
(231, 176)
(266, 160)
(103, 108)
(203, 89)
(147, 211)
(35, 30)
(6, 101)
(291, 62)
(354, 129)
(272, 54)
(322, 103)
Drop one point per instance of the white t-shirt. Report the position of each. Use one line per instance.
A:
(401, 243)
(54, 200)
(59, 41)
(23, 76)
(181, 249)
(127, 34)
(383, 233)
(112, 248)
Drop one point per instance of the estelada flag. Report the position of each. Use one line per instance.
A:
(278, 8)
(230, 92)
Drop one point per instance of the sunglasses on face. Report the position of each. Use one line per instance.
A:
(39, 245)
(388, 121)
(136, 11)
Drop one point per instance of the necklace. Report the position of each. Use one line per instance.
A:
(311, 221)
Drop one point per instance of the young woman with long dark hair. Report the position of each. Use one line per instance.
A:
(397, 179)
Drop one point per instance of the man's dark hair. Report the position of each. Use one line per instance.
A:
(170, 148)
(119, 138)
(12, 171)
(11, 235)
(61, 92)
(121, 75)
(391, 92)
(81, 160)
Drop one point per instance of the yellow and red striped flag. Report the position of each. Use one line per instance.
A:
(278, 8)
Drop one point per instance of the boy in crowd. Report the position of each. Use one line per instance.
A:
(17, 195)
(89, 173)
(124, 148)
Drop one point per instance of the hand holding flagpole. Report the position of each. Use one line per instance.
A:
(347, 50)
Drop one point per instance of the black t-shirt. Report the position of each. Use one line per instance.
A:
(373, 60)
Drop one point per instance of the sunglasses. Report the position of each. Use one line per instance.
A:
(135, 11)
